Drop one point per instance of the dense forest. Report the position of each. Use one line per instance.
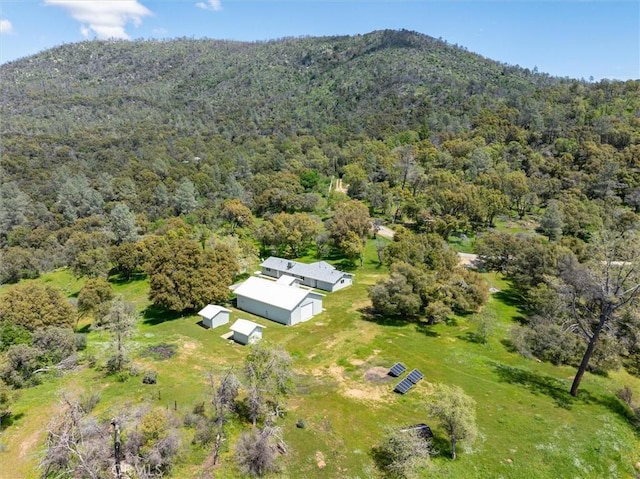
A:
(154, 159)
(176, 127)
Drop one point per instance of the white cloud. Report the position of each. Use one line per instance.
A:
(214, 5)
(5, 27)
(106, 19)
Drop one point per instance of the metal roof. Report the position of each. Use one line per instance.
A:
(246, 327)
(212, 310)
(270, 292)
(286, 279)
(320, 270)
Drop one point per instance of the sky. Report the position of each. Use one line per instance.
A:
(568, 38)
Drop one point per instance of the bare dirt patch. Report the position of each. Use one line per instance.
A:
(27, 444)
(330, 344)
(187, 349)
(336, 373)
(368, 394)
(357, 389)
(378, 374)
(320, 460)
(468, 259)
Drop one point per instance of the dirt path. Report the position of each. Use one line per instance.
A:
(385, 232)
(339, 187)
(468, 259)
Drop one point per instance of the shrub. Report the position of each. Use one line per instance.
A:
(625, 395)
(150, 377)
(80, 341)
(55, 343)
(88, 401)
(403, 454)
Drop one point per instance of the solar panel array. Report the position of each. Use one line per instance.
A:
(407, 383)
(415, 376)
(397, 369)
(403, 386)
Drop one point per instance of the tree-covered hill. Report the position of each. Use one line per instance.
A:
(107, 106)
(378, 83)
(159, 172)
(91, 124)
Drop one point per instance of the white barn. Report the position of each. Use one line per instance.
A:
(246, 332)
(214, 316)
(281, 303)
(320, 275)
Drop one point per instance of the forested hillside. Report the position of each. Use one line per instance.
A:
(164, 171)
(130, 116)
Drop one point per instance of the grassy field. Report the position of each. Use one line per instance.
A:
(530, 427)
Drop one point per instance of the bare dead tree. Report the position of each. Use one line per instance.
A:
(116, 446)
(223, 401)
(77, 445)
(66, 364)
(258, 449)
(269, 378)
(598, 292)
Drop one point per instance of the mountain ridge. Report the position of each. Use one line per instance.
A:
(124, 107)
(315, 74)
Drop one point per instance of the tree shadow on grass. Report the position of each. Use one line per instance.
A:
(426, 329)
(473, 337)
(347, 265)
(559, 392)
(155, 314)
(613, 404)
(120, 279)
(10, 420)
(380, 458)
(512, 298)
(368, 314)
(537, 384)
(618, 407)
(509, 346)
(442, 445)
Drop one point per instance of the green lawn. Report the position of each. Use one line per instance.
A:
(529, 425)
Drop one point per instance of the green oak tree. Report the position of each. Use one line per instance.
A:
(456, 413)
(183, 276)
(35, 306)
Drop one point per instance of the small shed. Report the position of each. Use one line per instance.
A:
(214, 315)
(246, 332)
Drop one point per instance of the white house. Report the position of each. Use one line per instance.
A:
(246, 332)
(288, 280)
(214, 316)
(319, 275)
(284, 304)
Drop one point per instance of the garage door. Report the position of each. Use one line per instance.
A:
(306, 312)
